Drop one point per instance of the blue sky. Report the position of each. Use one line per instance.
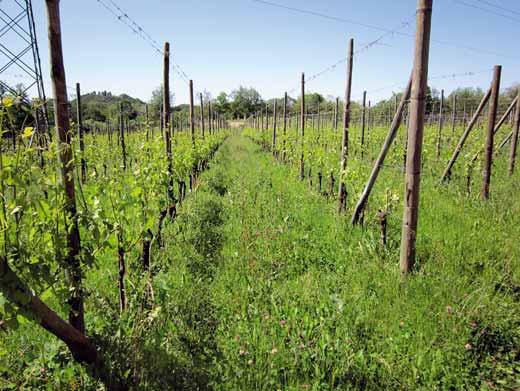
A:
(224, 44)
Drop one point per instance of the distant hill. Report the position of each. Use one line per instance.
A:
(102, 105)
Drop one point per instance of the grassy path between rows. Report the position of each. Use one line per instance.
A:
(268, 289)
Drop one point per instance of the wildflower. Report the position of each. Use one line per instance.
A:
(449, 309)
(468, 346)
(274, 351)
(282, 323)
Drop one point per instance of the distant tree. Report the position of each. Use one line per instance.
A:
(244, 102)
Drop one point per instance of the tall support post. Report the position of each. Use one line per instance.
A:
(284, 125)
(514, 140)
(202, 125)
(167, 119)
(63, 135)
(441, 123)
(492, 117)
(122, 134)
(454, 115)
(302, 129)
(273, 144)
(342, 191)
(363, 118)
(80, 134)
(209, 117)
(336, 114)
(192, 114)
(415, 135)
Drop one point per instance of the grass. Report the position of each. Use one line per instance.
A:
(261, 286)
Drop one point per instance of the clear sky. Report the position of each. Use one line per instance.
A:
(227, 43)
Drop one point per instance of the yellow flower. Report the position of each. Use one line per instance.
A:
(7, 101)
(28, 132)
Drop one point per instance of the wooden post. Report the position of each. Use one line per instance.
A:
(342, 191)
(336, 114)
(284, 125)
(363, 115)
(302, 127)
(460, 145)
(167, 119)
(192, 114)
(394, 127)
(441, 123)
(273, 145)
(80, 134)
(209, 117)
(122, 134)
(415, 135)
(488, 152)
(514, 140)
(202, 125)
(454, 115)
(63, 133)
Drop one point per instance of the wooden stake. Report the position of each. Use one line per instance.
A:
(488, 152)
(514, 140)
(441, 123)
(273, 145)
(302, 127)
(167, 119)
(336, 114)
(192, 114)
(284, 125)
(202, 125)
(463, 138)
(415, 135)
(454, 115)
(363, 115)
(342, 191)
(80, 134)
(394, 127)
(63, 133)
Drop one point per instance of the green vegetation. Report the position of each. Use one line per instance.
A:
(260, 285)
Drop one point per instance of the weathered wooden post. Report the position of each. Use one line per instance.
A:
(441, 123)
(336, 114)
(302, 127)
(488, 151)
(394, 127)
(80, 134)
(122, 134)
(415, 135)
(202, 125)
(363, 118)
(342, 191)
(63, 133)
(210, 113)
(514, 140)
(464, 136)
(284, 125)
(192, 114)
(454, 115)
(167, 119)
(273, 144)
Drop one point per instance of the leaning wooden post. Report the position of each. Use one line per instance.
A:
(80, 134)
(463, 138)
(302, 127)
(514, 140)
(488, 151)
(394, 127)
(342, 191)
(363, 118)
(273, 144)
(167, 119)
(415, 135)
(192, 114)
(63, 133)
(441, 123)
